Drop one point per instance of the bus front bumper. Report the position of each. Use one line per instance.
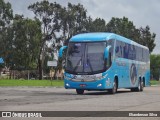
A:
(94, 85)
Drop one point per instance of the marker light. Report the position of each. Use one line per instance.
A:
(67, 85)
(99, 85)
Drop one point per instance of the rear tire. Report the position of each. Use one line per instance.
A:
(141, 85)
(114, 89)
(79, 91)
(139, 88)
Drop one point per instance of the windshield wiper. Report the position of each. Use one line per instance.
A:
(77, 64)
(88, 61)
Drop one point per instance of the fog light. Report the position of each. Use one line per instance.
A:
(67, 85)
(99, 85)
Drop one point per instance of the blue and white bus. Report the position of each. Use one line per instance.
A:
(105, 61)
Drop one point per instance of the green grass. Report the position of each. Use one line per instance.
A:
(155, 82)
(57, 83)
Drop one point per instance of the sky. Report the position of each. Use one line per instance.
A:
(140, 12)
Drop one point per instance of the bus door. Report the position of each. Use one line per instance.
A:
(121, 64)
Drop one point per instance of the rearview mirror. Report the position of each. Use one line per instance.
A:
(61, 51)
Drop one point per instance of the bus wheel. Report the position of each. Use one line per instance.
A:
(114, 89)
(139, 88)
(79, 91)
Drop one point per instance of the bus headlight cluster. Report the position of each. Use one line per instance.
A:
(101, 77)
(67, 85)
(99, 85)
(67, 78)
(98, 78)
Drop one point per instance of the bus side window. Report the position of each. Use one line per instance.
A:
(109, 60)
(111, 43)
(125, 50)
(118, 49)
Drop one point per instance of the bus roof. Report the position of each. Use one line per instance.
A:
(101, 36)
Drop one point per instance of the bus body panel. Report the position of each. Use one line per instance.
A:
(128, 72)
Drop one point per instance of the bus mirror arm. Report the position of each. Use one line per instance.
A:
(106, 52)
(61, 51)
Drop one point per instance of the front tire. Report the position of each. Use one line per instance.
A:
(79, 91)
(114, 89)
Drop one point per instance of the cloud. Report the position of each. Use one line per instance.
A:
(141, 12)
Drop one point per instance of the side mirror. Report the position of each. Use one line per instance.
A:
(1, 60)
(106, 52)
(61, 51)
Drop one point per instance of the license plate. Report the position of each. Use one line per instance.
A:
(82, 85)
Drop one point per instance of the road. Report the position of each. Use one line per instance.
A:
(60, 99)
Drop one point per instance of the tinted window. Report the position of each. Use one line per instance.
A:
(119, 49)
(132, 52)
(85, 57)
(111, 43)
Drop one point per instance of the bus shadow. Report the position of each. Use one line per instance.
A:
(85, 93)
(105, 92)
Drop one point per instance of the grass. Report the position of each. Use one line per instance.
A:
(56, 83)
(155, 82)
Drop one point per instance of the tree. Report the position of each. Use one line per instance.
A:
(124, 27)
(73, 20)
(26, 42)
(6, 17)
(147, 38)
(58, 24)
(6, 14)
(155, 66)
(98, 25)
(48, 14)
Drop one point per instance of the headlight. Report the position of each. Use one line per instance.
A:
(67, 78)
(101, 77)
(67, 85)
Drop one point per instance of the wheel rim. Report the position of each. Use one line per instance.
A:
(114, 87)
(141, 85)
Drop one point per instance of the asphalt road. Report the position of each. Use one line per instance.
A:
(60, 99)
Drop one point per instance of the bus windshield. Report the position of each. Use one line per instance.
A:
(85, 58)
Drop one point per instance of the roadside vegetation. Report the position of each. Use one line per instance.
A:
(155, 82)
(54, 83)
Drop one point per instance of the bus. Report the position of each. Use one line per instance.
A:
(105, 61)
